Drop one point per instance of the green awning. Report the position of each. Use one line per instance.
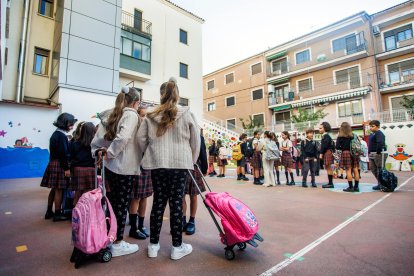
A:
(277, 55)
(277, 81)
(282, 107)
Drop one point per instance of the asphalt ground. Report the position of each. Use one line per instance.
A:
(307, 231)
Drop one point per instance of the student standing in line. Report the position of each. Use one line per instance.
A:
(364, 159)
(57, 172)
(287, 162)
(221, 159)
(376, 147)
(309, 154)
(255, 160)
(277, 163)
(348, 162)
(241, 175)
(212, 157)
(82, 163)
(170, 139)
(264, 146)
(117, 139)
(298, 165)
(327, 151)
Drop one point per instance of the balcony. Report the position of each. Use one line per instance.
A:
(406, 81)
(320, 60)
(393, 116)
(136, 25)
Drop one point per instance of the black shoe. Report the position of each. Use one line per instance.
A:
(304, 185)
(220, 175)
(278, 182)
(376, 188)
(239, 177)
(257, 181)
(244, 178)
(137, 235)
(211, 174)
(59, 216)
(49, 214)
(349, 190)
(292, 183)
(144, 231)
(328, 186)
(214, 172)
(190, 228)
(314, 185)
(356, 189)
(341, 177)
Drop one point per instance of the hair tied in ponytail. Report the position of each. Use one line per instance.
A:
(125, 89)
(174, 80)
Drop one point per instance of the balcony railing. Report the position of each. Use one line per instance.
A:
(135, 25)
(317, 59)
(404, 79)
(290, 126)
(393, 116)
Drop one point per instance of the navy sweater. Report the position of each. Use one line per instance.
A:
(81, 156)
(202, 158)
(376, 142)
(59, 149)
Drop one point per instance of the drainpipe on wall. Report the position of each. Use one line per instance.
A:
(375, 47)
(22, 53)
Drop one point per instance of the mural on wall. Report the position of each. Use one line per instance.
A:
(227, 139)
(24, 140)
(401, 157)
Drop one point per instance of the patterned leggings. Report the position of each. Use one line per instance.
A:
(120, 188)
(169, 185)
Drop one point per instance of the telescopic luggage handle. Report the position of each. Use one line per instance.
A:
(100, 153)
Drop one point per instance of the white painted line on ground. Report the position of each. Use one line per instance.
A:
(317, 242)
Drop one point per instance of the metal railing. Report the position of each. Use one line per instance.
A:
(393, 116)
(403, 80)
(317, 58)
(135, 25)
(222, 124)
(290, 126)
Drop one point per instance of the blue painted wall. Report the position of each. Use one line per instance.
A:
(23, 162)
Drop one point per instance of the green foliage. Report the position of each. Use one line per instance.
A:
(252, 125)
(408, 102)
(304, 115)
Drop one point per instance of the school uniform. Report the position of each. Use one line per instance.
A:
(309, 152)
(54, 176)
(257, 155)
(142, 187)
(222, 158)
(287, 160)
(190, 188)
(277, 162)
(82, 167)
(212, 151)
(347, 160)
(327, 149)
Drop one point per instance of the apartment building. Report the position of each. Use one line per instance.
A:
(237, 92)
(394, 52)
(74, 56)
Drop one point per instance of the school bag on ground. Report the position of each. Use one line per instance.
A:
(272, 152)
(237, 154)
(356, 147)
(387, 180)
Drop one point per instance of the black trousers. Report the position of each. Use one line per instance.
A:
(309, 166)
(169, 185)
(120, 189)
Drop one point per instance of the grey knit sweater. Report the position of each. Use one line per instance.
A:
(178, 148)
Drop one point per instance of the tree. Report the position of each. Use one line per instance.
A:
(408, 102)
(252, 125)
(304, 115)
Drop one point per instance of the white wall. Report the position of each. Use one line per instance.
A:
(168, 52)
(3, 5)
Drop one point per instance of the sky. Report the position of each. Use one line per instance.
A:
(237, 29)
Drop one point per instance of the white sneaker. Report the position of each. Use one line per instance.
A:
(123, 248)
(181, 251)
(153, 250)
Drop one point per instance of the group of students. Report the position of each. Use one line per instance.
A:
(145, 155)
(307, 153)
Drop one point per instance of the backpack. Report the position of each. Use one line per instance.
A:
(249, 150)
(388, 181)
(272, 152)
(356, 147)
(89, 223)
(237, 154)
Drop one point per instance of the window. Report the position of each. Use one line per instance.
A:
(7, 22)
(258, 119)
(305, 85)
(210, 85)
(41, 61)
(46, 7)
(183, 70)
(211, 106)
(137, 20)
(280, 66)
(401, 72)
(183, 36)
(396, 102)
(257, 94)
(282, 116)
(282, 91)
(350, 76)
(349, 109)
(229, 78)
(400, 34)
(256, 68)
(348, 43)
(136, 49)
(231, 124)
(183, 101)
(303, 56)
(230, 101)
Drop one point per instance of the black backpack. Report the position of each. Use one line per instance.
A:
(249, 148)
(388, 181)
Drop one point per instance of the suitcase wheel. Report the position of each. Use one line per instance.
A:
(242, 245)
(229, 254)
(105, 256)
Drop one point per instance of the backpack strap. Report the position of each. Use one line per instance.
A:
(112, 222)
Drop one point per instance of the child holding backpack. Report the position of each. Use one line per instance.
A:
(309, 155)
(287, 162)
(349, 162)
(239, 152)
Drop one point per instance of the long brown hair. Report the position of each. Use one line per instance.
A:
(127, 96)
(167, 109)
(345, 130)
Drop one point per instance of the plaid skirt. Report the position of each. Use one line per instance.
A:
(347, 161)
(221, 162)
(190, 187)
(328, 158)
(54, 176)
(82, 178)
(287, 161)
(142, 187)
(211, 159)
(255, 160)
(277, 163)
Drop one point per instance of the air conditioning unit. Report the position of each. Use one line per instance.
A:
(376, 30)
